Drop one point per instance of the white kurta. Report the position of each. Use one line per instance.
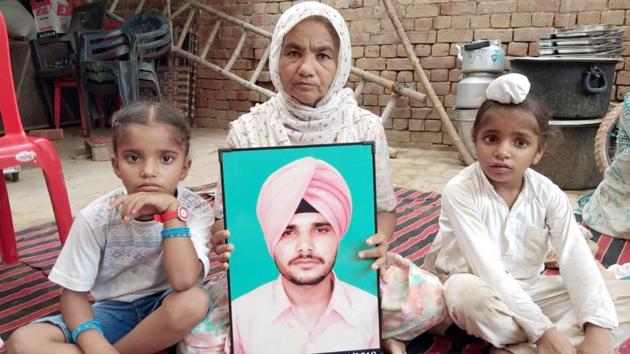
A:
(506, 248)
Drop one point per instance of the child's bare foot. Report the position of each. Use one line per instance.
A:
(395, 346)
(499, 351)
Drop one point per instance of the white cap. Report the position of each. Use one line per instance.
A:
(508, 88)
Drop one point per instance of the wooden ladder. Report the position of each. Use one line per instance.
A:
(195, 8)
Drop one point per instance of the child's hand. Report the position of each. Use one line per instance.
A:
(143, 204)
(92, 342)
(109, 350)
(379, 252)
(554, 342)
(221, 248)
(105, 349)
(597, 340)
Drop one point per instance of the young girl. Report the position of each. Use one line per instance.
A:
(499, 219)
(139, 250)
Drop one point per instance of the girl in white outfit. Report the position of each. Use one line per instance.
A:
(499, 220)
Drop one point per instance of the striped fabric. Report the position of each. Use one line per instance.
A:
(612, 250)
(26, 294)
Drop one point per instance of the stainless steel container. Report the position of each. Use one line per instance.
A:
(483, 55)
(464, 119)
(570, 87)
(482, 62)
(471, 90)
(571, 164)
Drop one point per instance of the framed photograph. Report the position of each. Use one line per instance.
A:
(297, 217)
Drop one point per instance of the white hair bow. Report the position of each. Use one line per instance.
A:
(508, 88)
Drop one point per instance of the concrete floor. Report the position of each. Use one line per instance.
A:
(86, 180)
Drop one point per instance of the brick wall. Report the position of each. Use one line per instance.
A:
(433, 27)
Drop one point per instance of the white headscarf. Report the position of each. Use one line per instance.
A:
(320, 124)
(337, 118)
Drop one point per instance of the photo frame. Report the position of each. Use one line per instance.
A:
(296, 284)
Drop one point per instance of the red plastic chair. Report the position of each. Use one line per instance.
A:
(16, 148)
(67, 82)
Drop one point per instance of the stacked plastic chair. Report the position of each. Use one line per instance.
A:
(16, 148)
(151, 37)
(120, 61)
(56, 58)
(107, 65)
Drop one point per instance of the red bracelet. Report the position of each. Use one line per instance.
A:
(181, 213)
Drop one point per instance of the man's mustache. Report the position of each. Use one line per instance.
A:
(310, 257)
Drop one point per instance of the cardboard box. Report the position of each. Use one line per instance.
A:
(53, 15)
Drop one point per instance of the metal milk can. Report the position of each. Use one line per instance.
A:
(471, 90)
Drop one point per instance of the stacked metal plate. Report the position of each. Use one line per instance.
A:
(583, 41)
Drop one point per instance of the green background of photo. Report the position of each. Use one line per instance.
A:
(244, 172)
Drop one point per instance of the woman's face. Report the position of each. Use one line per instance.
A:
(308, 61)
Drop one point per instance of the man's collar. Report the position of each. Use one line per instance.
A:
(339, 301)
(280, 301)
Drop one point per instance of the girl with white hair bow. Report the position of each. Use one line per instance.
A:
(309, 63)
(498, 222)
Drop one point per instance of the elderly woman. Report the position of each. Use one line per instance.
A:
(309, 63)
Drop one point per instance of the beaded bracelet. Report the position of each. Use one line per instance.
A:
(175, 232)
(87, 325)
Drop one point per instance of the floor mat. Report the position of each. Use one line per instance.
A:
(26, 294)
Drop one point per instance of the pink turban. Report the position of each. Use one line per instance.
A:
(313, 180)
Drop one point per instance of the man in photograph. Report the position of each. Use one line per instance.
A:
(304, 210)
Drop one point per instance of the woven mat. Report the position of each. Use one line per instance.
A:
(26, 294)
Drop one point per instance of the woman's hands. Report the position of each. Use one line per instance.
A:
(380, 241)
(221, 248)
(379, 251)
(218, 243)
(386, 225)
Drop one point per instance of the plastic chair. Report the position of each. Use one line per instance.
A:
(67, 82)
(16, 148)
(147, 78)
(107, 65)
(56, 58)
(151, 37)
(151, 34)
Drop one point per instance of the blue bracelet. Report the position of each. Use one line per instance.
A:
(175, 232)
(87, 325)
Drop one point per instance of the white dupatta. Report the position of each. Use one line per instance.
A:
(323, 123)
